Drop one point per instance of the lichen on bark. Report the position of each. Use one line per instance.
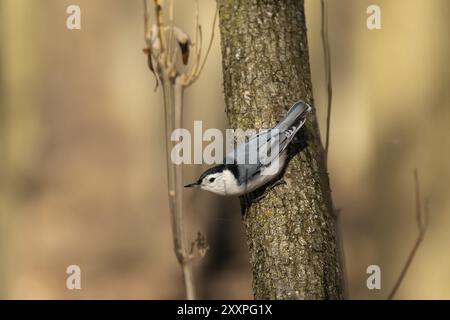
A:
(291, 233)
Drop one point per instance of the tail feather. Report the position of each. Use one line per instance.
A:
(295, 114)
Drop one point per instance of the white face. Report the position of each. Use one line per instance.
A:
(214, 183)
(222, 183)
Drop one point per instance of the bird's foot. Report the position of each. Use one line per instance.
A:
(245, 201)
(269, 188)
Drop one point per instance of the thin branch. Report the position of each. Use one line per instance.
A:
(422, 224)
(146, 23)
(425, 216)
(328, 79)
(160, 26)
(171, 61)
(199, 50)
(197, 24)
(209, 47)
(327, 57)
(197, 44)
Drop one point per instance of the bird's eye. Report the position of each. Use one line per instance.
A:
(211, 180)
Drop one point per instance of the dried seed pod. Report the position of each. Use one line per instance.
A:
(154, 40)
(184, 41)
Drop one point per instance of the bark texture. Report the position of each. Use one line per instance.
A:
(291, 233)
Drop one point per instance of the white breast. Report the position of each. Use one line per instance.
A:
(268, 174)
(231, 186)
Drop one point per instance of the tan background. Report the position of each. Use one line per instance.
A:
(82, 155)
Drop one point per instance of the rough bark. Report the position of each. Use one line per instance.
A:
(291, 233)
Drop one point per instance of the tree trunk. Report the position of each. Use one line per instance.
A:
(291, 233)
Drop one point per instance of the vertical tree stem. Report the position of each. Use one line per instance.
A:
(173, 95)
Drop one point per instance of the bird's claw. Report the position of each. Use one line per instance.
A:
(268, 188)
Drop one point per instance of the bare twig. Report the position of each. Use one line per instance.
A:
(327, 57)
(171, 27)
(328, 79)
(422, 224)
(197, 43)
(146, 23)
(160, 25)
(209, 47)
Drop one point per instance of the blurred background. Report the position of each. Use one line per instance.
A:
(82, 168)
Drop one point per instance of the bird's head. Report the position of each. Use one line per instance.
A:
(218, 179)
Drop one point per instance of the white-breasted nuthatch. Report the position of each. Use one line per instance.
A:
(236, 178)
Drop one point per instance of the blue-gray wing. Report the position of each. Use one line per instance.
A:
(259, 150)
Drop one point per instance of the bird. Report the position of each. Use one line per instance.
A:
(234, 178)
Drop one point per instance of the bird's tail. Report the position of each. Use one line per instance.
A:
(295, 115)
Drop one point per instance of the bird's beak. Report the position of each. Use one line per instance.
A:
(193, 185)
